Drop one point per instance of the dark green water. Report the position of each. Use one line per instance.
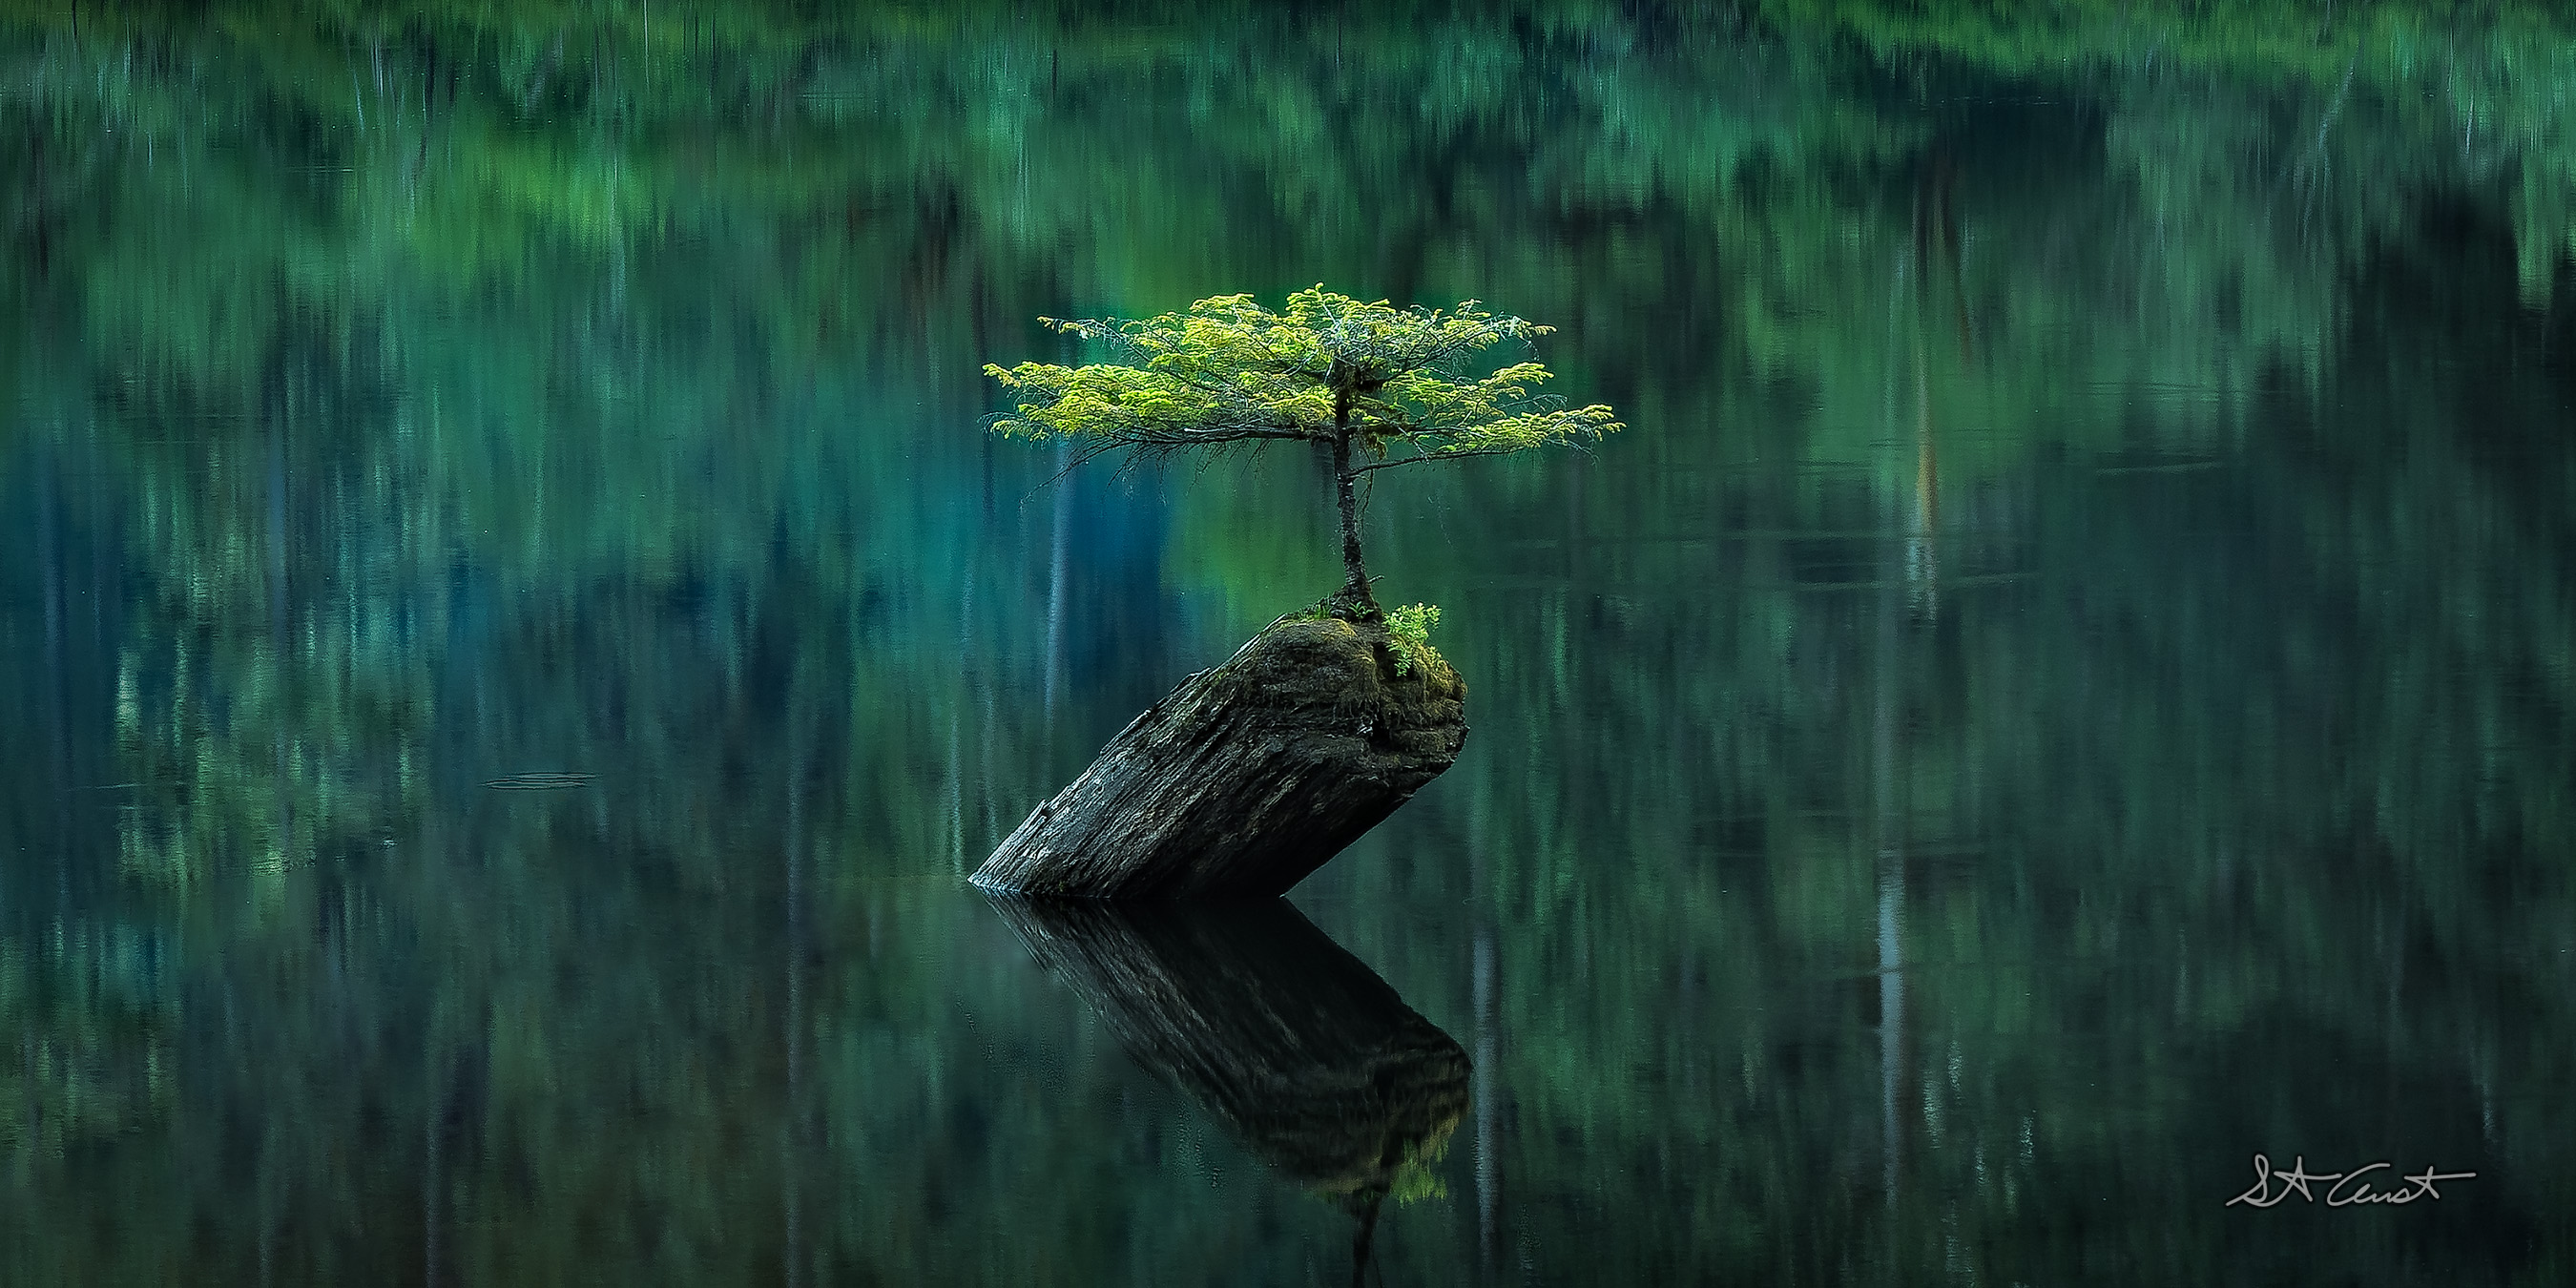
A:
(2065, 683)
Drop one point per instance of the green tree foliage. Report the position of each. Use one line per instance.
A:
(1378, 385)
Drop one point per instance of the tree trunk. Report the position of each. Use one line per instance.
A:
(1246, 777)
(1355, 582)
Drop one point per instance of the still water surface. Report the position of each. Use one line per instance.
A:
(512, 635)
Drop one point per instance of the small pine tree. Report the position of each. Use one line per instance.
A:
(1381, 386)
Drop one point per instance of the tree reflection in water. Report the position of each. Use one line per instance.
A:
(1297, 1046)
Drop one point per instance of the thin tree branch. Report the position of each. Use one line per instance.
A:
(1178, 437)
(1105, 444)
(1435, 456)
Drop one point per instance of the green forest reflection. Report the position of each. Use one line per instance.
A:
(2064, 686)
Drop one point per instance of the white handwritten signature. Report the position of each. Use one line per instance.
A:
(2299, 1178)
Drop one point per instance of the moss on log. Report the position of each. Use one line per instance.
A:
(1248, 776)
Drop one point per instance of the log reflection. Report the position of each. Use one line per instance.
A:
(1296, 1045)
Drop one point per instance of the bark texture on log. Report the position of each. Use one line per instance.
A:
(1246, 777)
(1299, 1048)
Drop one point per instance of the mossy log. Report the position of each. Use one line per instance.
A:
(1310, 1058)
(1248, 776)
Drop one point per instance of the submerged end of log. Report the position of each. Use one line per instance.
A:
(1247, 777)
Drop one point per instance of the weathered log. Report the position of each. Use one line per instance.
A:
(1299, 1048)
(1248, 776)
